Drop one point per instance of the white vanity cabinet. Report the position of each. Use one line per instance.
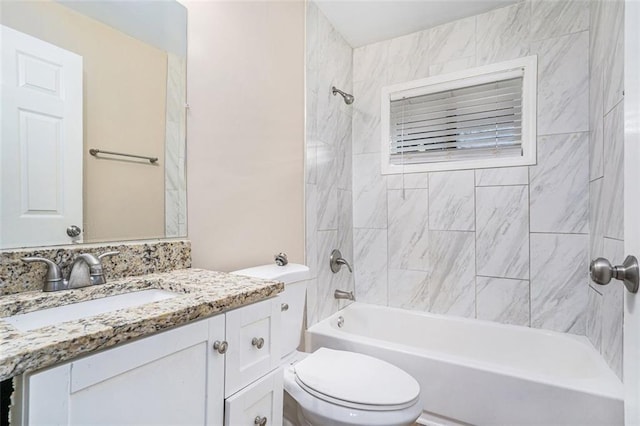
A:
(172, 377)
(175, 377)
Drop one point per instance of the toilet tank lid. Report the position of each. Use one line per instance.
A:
(289, 273)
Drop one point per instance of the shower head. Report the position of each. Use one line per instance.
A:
(348, 99)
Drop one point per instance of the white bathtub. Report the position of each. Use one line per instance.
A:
(482, 373)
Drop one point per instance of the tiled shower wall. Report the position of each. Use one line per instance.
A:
(329, 222)
(508, 245)
(606, 65)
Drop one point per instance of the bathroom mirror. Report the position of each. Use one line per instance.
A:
(80, 76)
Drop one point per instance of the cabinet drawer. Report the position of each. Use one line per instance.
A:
(258, 404)
(253, 334)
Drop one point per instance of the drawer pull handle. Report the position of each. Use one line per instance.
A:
(261, 421)
(257, 342)
(284, 307)
(221, 347)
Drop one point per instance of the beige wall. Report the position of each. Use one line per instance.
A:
(245, 132)
(124, 110)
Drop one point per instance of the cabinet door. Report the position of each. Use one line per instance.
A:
(174, 377)
(258, 404)
(253, 333)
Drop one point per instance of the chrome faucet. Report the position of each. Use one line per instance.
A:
(341, 294)
(85, 271)
(336, 261)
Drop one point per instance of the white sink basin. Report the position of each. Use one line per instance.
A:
(75, 311)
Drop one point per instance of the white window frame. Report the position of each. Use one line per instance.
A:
(456, 80)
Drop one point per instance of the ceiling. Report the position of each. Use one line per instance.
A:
(368, 21)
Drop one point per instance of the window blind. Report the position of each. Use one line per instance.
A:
(479, 121)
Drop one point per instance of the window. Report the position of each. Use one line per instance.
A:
(478, 118)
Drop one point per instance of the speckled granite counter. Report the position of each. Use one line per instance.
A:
(201, 294)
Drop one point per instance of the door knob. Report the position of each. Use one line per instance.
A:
(602, 271)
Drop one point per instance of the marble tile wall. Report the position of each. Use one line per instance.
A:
(175, 148)
(329, 213)
(605, 303)
(492, 244)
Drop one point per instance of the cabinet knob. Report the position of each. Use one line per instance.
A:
(257, 342)
(284, 307)
(261, 421)
(221, 347)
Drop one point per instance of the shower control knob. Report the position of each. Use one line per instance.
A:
(602, 271)
(221, 347)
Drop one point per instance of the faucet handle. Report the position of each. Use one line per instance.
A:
(54, 280)
(107, 254)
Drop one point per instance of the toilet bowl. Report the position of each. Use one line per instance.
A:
(333, 387)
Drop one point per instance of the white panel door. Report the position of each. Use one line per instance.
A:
(41, 145)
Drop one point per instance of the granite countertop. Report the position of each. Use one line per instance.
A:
(201, 294)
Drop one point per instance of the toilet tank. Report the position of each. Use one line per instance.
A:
(294, 277)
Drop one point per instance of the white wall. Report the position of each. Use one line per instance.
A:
(245, 132)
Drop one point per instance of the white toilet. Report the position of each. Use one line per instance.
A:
(333, 387)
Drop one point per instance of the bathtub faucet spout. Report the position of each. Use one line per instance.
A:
(341, 294)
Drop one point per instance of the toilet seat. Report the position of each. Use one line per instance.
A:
(355, 380)
(321, 409)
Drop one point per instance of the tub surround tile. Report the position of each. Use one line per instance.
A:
(408, 181)
(327, 208)
(502, 236)
(327, 304)
(344, 160)
(369, 62)
(502, 176)
(369, 192)
(563, 84)
(613, 69)
(561, 180)
(201, 294)
(312, 302)
(503, 34)
(596, 219)
(409, 289)
(454, 65)
(370, 265)
(559, 269)
(311, 229)
(612, 310)
(551, 18)
(594, 319)
(596, 124)
(329, 221)
(135, 258)
(452, 293)
(408, 58)
(614, 173)
(503, 300)
(451, 201)
(452, 41)
(408, 229)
